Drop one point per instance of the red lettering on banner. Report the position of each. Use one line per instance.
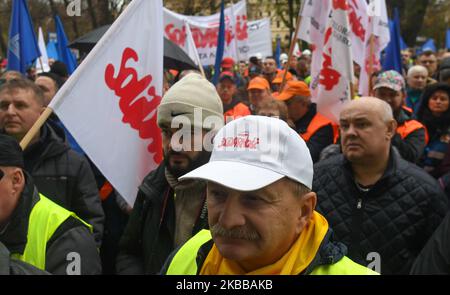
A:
(355, 22)
(204, 37)
(134, 109)
(340, 4)
(329, 77)
(177, 36)
(241, 28)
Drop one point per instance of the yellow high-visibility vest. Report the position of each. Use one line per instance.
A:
(45, 218)
(184, 261)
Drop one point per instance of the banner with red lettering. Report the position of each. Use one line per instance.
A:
(205, 30)
(109, 104)
(330, 86)
(378, 28)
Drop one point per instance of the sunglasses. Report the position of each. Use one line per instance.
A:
(1, 174)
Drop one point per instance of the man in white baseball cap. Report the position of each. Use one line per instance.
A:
(260, 208)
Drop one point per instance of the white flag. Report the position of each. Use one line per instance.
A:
(331, 85)
(109, 104)
(42, 62)
(259, 37)
(358, 21)
(378, 28)
(315, 16)
(191, 50)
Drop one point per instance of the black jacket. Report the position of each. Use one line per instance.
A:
(10, 266)
(70, 236)
(329, 252)
(435, 257)
(395, 218)
(65, 177)
(148, 238)
(321, 139)
(411, 147)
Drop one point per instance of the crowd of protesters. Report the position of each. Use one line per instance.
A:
(381, 173)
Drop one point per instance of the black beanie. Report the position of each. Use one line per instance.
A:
(10, 152)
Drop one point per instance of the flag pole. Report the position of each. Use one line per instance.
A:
(41, 64)
(35, 128)
(352, 91)
(291, 49)
(371, 52)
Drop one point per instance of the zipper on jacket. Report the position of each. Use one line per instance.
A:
(359, 205)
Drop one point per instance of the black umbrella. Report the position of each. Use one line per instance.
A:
(174, 56)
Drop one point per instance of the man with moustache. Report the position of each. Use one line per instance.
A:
(167, 212)
(260, 209)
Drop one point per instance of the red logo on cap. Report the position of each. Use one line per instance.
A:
(242, 140)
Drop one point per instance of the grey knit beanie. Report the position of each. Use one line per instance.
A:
(192, 93)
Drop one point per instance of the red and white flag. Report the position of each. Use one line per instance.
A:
(109, 104)
(358, 20)
(330, 85)
(314, 19)
(378, 28)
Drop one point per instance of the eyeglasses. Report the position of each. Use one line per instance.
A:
(1, 174)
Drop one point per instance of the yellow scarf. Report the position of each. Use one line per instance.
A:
(296, 260)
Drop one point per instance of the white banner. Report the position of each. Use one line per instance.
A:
(109, 104)
(331, 85)
(378, 28)
(259, 37)
(205, 30)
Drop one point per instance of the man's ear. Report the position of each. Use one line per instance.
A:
(308, 204)
(391, 128)
(18, 181)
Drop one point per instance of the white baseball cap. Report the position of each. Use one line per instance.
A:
(253, 152)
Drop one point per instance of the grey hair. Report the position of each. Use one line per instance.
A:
(416, 69)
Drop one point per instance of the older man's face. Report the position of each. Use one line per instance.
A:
(364, 134)
(9, 192)
(255, 228)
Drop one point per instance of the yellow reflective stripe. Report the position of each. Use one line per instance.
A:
(184, 261)
(345, 266)
(45, 218)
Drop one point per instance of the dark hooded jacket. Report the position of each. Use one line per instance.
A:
(71, 236)
(148, 238)
(65, 177)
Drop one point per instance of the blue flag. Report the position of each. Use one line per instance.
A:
(447, 39)
(403, 44)
(23, 49)
(220, 44)
(428, 46)
(393, 59)
(52, 51)
(278, 53)
(64, 53)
